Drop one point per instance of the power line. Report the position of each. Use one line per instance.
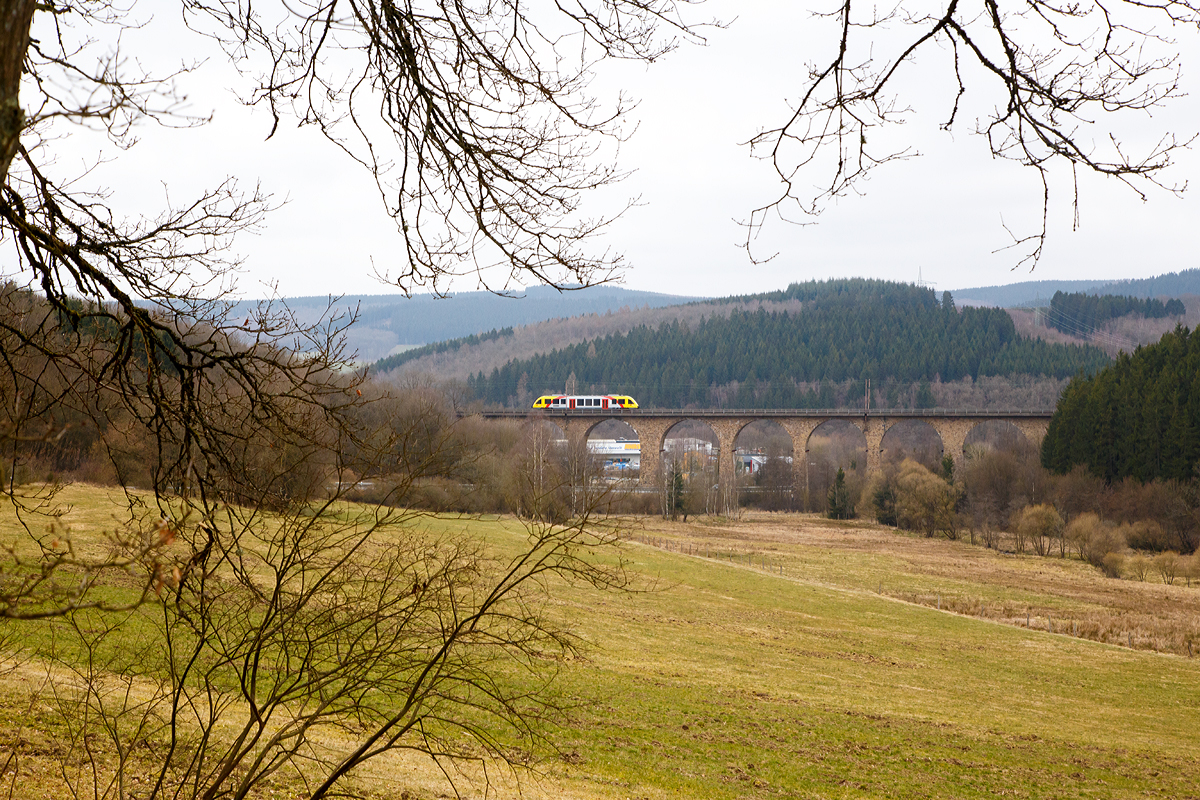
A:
(1074, 326)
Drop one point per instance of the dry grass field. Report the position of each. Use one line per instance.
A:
(1064, 595)
(790, 656)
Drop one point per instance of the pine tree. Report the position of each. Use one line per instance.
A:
(675, 490)
(839, 498)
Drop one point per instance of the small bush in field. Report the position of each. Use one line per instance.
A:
(925, 502)
(1105, 539)
(1189, 568)
(990, 536)
(1137, 566)
(1167, 566)
(1039, 525)
(1113, 565)
(1080, 532)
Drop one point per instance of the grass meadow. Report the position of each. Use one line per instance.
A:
(790, 656)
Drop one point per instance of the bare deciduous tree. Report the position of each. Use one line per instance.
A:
(473, 118)
(302, 645)
(296, 637)
(1168, 566)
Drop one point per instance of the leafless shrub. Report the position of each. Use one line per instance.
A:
(1146, 535)
(1113, 564)
(1078, 492)
(1080, 532)
(1138, 566)
(990, 536)
(999, 483)
(924, 501)
(1041, 526)
(1105, 540)
(1172, 506)
(1189, 568)
(1167, 565)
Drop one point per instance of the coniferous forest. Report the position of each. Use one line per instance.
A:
(1080, 313)
(1140, 417)
(845, 330)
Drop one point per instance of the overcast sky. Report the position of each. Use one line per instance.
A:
(939, 217)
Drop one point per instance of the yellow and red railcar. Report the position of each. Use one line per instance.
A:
(570, 402)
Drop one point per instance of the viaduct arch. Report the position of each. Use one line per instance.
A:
(651, 426)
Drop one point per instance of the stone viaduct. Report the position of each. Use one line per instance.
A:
(652, 426)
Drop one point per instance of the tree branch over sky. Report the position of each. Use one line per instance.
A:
(474, 119)
(1048, 84)
(477, 122)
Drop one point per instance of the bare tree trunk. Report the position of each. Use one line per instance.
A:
(15, 19)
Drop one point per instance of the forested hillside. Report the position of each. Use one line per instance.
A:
(841, 331)
(1140, 417)
(458, 359)
(1080, 313)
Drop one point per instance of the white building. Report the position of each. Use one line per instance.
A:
(618, 454)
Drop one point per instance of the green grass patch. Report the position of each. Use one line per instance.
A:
(718, 680)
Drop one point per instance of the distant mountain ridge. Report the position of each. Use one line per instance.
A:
(388, 323)
(391, 324)
(1026, 293)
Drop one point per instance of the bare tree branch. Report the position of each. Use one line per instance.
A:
(1048, 76)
